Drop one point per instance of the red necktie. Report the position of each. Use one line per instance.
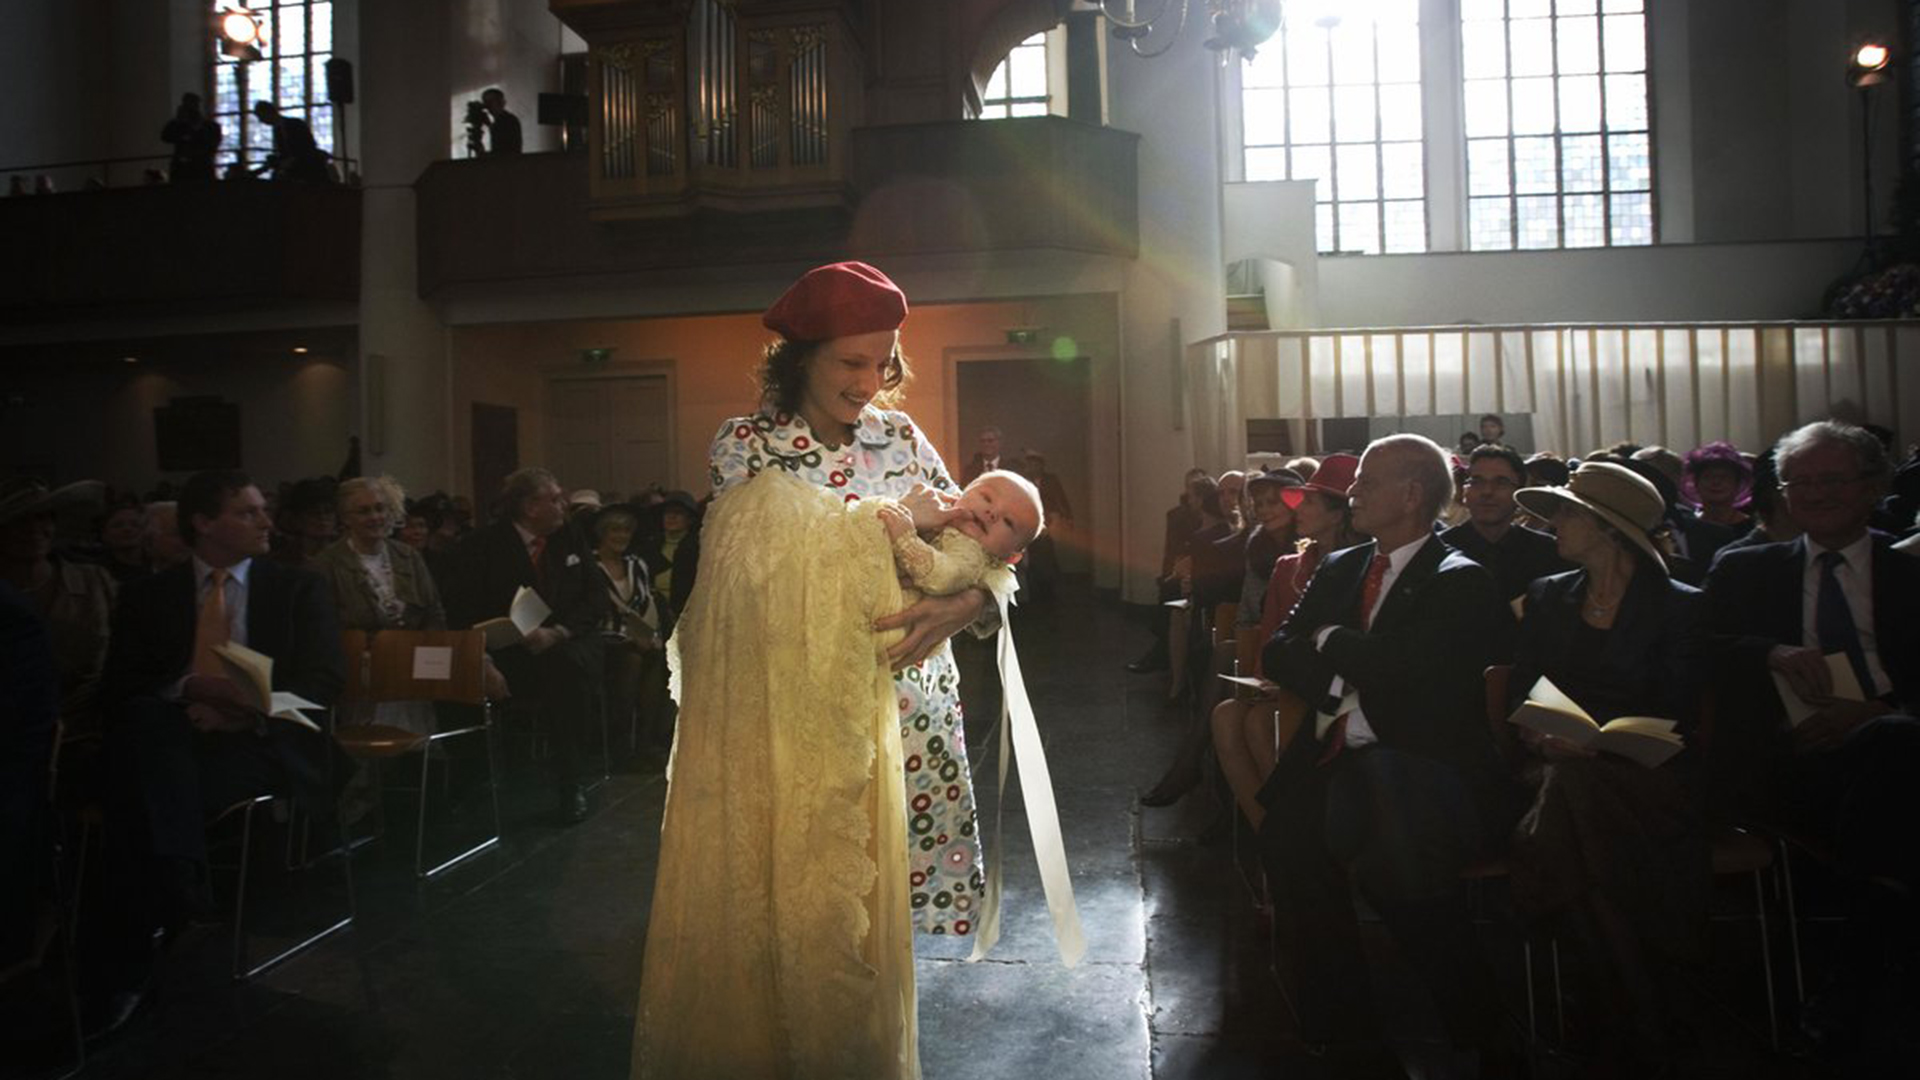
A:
(536, 548)
(211, 629)
(1369, 595)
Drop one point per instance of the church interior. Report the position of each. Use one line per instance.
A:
(454, 243)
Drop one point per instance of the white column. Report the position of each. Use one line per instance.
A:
(1171, 102)
(406, 424)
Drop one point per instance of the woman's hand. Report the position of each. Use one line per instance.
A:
(929, 623)
(1553, 748)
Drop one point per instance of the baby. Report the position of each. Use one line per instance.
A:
(975, 541)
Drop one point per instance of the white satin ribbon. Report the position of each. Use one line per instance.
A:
(1020, 733)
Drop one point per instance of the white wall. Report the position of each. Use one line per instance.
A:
(1672, 283)
(93, 418)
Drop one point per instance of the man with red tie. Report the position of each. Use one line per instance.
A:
(1398, 787)
(559, 664)
(181, 745)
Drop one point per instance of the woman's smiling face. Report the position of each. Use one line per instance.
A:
(843, 374)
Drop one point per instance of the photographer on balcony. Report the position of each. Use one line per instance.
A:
(502, 126)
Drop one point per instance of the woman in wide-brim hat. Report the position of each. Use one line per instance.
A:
(75, 598)
(1612, 855)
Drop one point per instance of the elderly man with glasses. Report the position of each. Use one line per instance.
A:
(1819, 686)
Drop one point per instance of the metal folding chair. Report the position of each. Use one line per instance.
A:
(420, 665)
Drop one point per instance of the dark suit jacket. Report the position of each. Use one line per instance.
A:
(1648, 664)
(685, 565)
(1521, 556)
(1754, 600)
(290, 618)
(1420, 669)
(977, 465)
(490, 564)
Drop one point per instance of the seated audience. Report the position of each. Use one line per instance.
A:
(1246, 728)
(1182, 521)
(1303, 467)
(636, 666)
(1612, 856)
(181, 744)
(1273, 533)
(1400, 787)
(560, 662)
(74, 599)
(415, 530)
(1516, 555)
(1844, 774)
(672, 554)
(121, 529)
(378, 583)
(307, 522)
(1184, 623)
(161, 538)
(1546, 469)
(29, 728)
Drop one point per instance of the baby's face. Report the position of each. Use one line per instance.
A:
(1002, 516)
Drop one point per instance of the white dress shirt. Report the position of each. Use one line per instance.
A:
(1856, 584)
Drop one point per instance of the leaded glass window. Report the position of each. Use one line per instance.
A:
(1018, 87)
(1335, 98)
(1559, 148)
(296, 41)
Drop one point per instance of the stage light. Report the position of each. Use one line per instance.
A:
(239, 32)
(1868, 65)
(300, 350)
(129, 359)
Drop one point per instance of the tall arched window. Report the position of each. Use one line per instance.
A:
(1018, 86)
(296, 41)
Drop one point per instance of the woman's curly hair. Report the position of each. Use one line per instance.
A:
(783, 375)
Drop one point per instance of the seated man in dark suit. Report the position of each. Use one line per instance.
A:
(1515, 555)
(181, 745)
(1398, 787)
(1849, 774)
(559, 663)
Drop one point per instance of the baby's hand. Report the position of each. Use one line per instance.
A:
(898, 522)
(929, 509)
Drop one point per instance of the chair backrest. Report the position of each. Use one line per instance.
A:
(416, 665)
(1224, 616)
(1497, 678)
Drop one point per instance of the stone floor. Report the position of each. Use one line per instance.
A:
(525, 962)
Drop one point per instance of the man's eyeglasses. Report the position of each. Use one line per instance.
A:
(1821, 485)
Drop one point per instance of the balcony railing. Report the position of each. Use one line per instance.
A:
(1584, 386)
(161, 248)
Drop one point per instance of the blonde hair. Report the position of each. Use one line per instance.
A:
(386, 488)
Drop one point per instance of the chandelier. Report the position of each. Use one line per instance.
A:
(1239, 26)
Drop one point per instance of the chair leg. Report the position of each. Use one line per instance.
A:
(1766, 960)
(420, 823)
(1793, 922)
(1526, 964)
(242, 970)
(420, 869)
(1559, 993)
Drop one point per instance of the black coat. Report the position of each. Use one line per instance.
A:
(490, 565)
(1521, 557)
(1649, 664)
(1419, 669)
(290, 618)
(1754, 602)
(685, 565)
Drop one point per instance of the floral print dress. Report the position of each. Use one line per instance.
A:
(887, 457)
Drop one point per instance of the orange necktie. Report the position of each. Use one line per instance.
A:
(211, 628)
(1369, 595)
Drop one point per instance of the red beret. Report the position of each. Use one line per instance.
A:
(837, 300)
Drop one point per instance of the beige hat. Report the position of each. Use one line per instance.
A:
(1611, 492)
(586, 497)
(23, 496)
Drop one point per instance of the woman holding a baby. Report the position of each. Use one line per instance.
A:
(793, 867)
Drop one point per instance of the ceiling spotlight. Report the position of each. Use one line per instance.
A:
(239, 32)
(1868, 65)
(300, 350)
(129, 359)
